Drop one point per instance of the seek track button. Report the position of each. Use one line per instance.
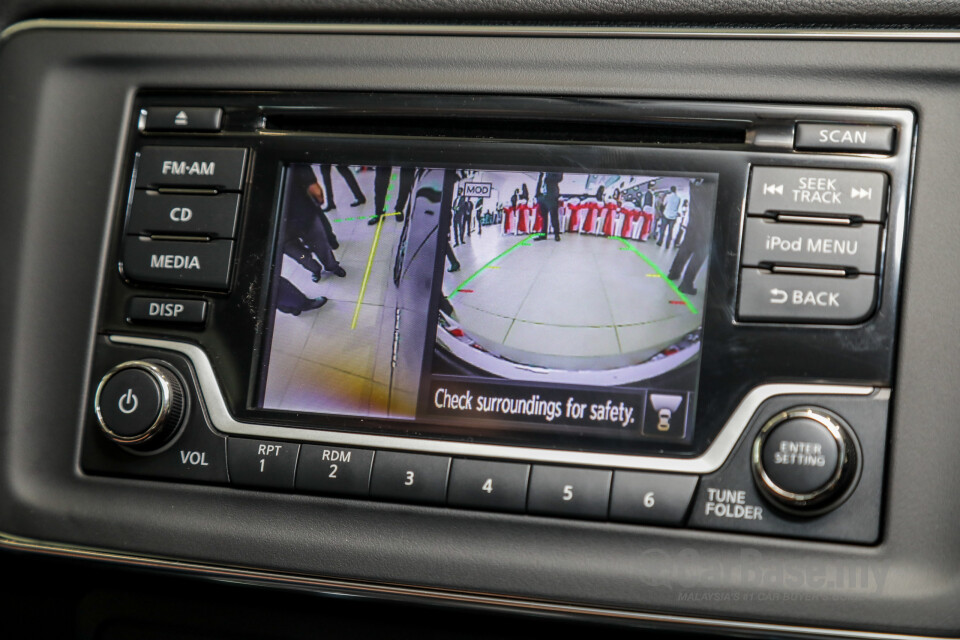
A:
(860, 194)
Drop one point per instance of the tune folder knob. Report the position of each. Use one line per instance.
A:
(805, 459)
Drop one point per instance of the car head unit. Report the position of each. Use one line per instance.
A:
(402, 296)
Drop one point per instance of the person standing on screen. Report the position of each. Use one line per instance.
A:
(349, 178)
(671, 209)
(693, 251)
(461, 214)
(307, 230)
(381, 182)
(292, 301)
(550, 205)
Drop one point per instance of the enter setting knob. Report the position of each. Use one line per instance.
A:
(804, 460)
(139, 404)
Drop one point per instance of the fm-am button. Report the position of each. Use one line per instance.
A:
(813, 299)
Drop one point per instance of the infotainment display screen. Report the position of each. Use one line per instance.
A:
(490, 301)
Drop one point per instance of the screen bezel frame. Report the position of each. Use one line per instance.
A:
(600, 440)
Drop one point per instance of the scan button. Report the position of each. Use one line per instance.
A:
(849, 138)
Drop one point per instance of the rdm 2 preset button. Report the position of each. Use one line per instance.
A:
(334, 470)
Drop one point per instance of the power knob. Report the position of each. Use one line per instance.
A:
(806, 460)
(140, 404)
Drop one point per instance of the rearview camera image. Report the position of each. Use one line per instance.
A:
(356, 252)
(575, 278)
(488, 298)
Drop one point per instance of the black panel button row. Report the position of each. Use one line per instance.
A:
(594, 494)
(812, 245)
(183, 217)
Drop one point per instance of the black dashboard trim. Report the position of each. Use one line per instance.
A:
(456, 598)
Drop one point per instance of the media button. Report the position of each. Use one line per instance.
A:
(211, 167)
(153, 213)
(410, 477)
(262, 463)
(334, 470)
(651, 498)
(797, 298)
(569, 491)
(191, 265)
(483, 484)
(832, 192)
(850, 138)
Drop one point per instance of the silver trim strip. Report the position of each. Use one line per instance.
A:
(357, 588)
(465, 30)
(707, 462)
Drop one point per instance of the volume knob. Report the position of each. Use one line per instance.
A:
(139, 404)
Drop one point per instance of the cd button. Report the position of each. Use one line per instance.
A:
(651, 498)
(831, 192)
(814, 299)
(334, 470)
(179, 214)
(482, 484)
(191, 265)
(410, 477)
(262, 463)
(211, 167)
(569, 491)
